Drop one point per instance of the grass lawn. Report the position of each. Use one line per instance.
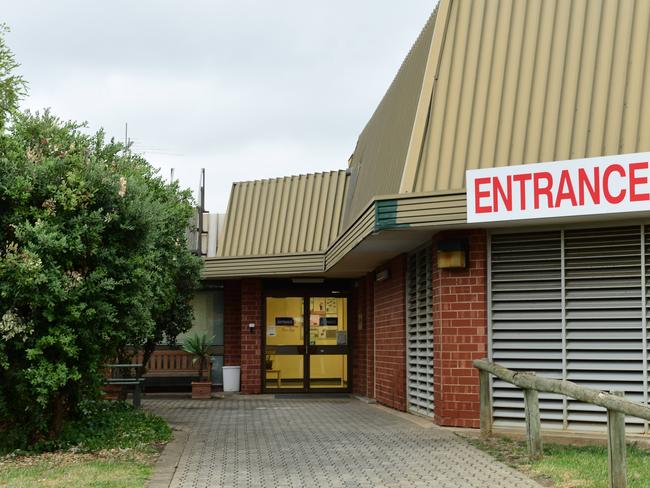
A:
(107, 469)
(569, 466)
(112, 446)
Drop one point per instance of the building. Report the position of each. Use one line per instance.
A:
(387, 279)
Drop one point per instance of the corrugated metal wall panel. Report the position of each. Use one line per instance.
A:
(419, 332)
(295, 214)
(570, 304)
(361, 229)
(286, 265)
(445, 209)
(535, 80)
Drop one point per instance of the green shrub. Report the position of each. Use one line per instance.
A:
(199, 346)
(101, 425)
(93, 260)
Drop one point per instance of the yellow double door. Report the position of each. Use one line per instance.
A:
(306, 343)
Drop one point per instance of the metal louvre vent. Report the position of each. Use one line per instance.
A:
(603, 317)
(570, 304)
(419, 332)
(526, 305)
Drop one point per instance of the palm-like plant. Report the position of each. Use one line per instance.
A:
(199, 346)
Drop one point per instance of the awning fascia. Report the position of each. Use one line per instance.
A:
(438, 211)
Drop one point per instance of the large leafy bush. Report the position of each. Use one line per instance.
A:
(92, 259)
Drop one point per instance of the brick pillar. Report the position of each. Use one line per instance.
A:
(390, 335)
(369, 326)
(460, 333)
(251, 343)
(232, 323)
(359, 338)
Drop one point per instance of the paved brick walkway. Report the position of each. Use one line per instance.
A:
(266, 442)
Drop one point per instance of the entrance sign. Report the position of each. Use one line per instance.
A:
(591, 186)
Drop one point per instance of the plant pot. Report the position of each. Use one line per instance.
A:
(111, 392)
(201, 390)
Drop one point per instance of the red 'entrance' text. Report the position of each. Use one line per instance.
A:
(614, 184)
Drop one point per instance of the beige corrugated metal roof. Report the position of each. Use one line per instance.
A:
(294, 214)
(528, 81)
(378, 160)
(488, 83)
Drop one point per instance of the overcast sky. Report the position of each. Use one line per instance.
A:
(246, 89)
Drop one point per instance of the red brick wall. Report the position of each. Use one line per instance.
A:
(251, 343)
(232, 323)
(390, 340)
(460, 333)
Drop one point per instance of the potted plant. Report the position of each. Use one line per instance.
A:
(198, 345)
(269, 362)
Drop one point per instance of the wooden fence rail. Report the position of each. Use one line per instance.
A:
(617, 408)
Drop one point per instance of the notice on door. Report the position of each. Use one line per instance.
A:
(284, 321)
(591, 186)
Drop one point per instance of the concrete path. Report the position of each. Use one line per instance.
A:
(261, 441)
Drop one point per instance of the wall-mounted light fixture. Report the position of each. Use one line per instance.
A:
(452, 254)
(382, 275)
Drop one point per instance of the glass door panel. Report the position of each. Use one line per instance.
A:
(328, 324)
(284, 321)
(284, 371)
(306, 344)
(328, 371)
(328, 343)
(284, 363)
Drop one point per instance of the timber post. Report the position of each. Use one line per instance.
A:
(533, 423)
(617, 408)
(486, 404)
(616, 447)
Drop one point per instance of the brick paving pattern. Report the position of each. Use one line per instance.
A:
(267, 442)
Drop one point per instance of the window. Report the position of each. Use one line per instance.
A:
(208, 316)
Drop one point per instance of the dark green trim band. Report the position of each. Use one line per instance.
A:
(386, 215)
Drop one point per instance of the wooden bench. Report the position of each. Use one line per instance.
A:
(135, 381)
(169, 363)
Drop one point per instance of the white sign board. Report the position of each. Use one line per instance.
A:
(603, 185)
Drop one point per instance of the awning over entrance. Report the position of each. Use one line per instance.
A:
(376, 235)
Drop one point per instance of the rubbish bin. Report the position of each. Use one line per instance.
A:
(231, 378)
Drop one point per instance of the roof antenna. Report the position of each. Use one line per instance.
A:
(202, 190)
(201, 210)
